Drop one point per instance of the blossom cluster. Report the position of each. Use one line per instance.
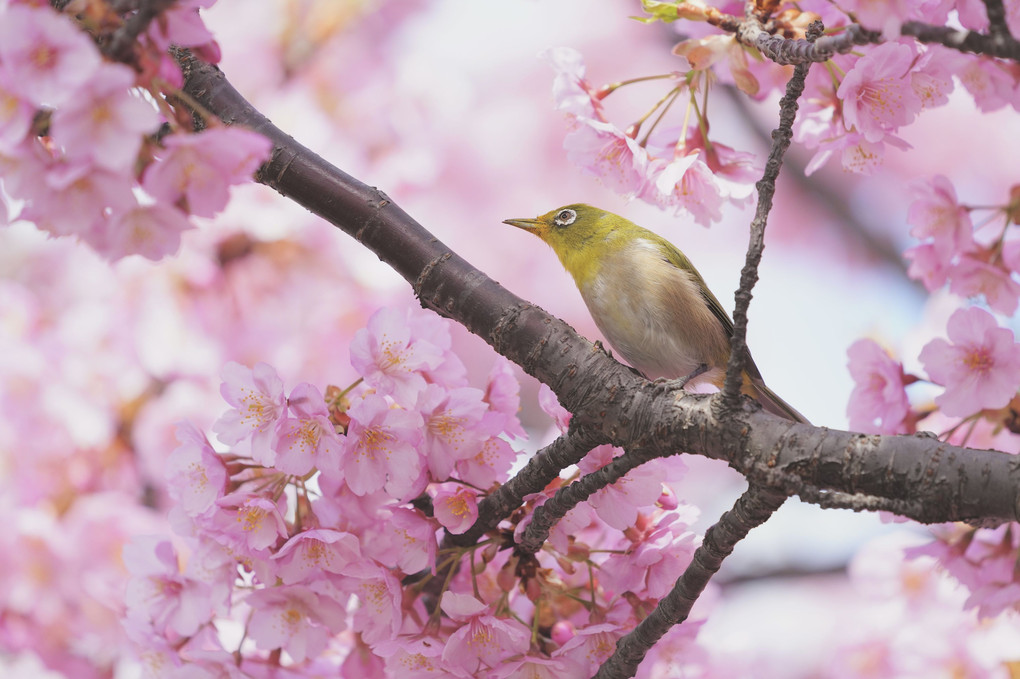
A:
(676, 168)
(978, 364)
(853, 107)
(316, 533)
(93, 148)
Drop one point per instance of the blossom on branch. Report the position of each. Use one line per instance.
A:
(979, 366)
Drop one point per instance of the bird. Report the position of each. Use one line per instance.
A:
(648, 300)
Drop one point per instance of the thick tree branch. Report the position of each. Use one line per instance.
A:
(949, 483)
(751, 509)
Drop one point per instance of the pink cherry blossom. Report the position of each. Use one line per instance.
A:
(503, 394)
(309, 439)
(413, 658)
(539, 667)
(196, 170)
(937, 214)
(312, 553)
(932, 77)
(927, 265)
(483, 640)
(180, 24)
(159, 594)
(429, 327)
(687, 184)
(876, 93)
(572, 92)
(195, 473)
(455, 426)
(979, 365)
(604, 151)
(294, 618)
(379, 614)
(878, 403)
(380, 449)
(256, 395)
(617, 504)
(407, 540)
(15, 115)
(983, 560)
(75, 198)
(455, 506)
(490, 465)
(551, 406)
(152, 231)
(591, 645)
(391, 359)
(881, 15)
(990, 82)
(970, 277)
(46, 58)
(654, 564)
(105, 123)
(249, 523)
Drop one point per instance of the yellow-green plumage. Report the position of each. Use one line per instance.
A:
(647, 298)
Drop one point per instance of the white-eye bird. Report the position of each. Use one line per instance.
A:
(647, 298)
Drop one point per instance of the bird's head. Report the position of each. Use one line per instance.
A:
(571, 230)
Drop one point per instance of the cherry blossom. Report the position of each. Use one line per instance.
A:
(875, 102)
(317, 551)
(294, 618)
(979, 365)
(105, 123)
(196, 475)
(46, 58)
(455, 426)
(195, 171)
(483, 641)
(878, 403)
(256, 395)
(381, 449)
(159, 594)
(390, 359)
(456, 507)
(309, 439)
(937, 214)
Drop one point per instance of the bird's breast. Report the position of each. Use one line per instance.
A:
(654, 315)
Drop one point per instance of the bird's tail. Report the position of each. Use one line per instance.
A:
(757, 390)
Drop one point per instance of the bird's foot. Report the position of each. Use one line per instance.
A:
(681, 382)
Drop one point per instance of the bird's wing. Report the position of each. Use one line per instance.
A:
(679, 260)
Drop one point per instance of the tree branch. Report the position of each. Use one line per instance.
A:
(786, 51)
(536, 475)
(568, 497)
(949, 483)
(122, 44)
(751, 509)
(781, 138)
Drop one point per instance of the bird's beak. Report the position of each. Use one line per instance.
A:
(526, 224)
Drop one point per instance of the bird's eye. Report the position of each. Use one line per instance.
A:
(565, 217)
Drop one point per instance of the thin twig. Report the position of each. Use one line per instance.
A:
(781, 137)
(536, 475)
(751, 509)
(568, 497)
(122, 45)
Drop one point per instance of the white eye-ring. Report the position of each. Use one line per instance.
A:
(565, 217)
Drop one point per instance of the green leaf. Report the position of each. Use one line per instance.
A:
(665, 12)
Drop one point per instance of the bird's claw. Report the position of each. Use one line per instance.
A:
(681, 382)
